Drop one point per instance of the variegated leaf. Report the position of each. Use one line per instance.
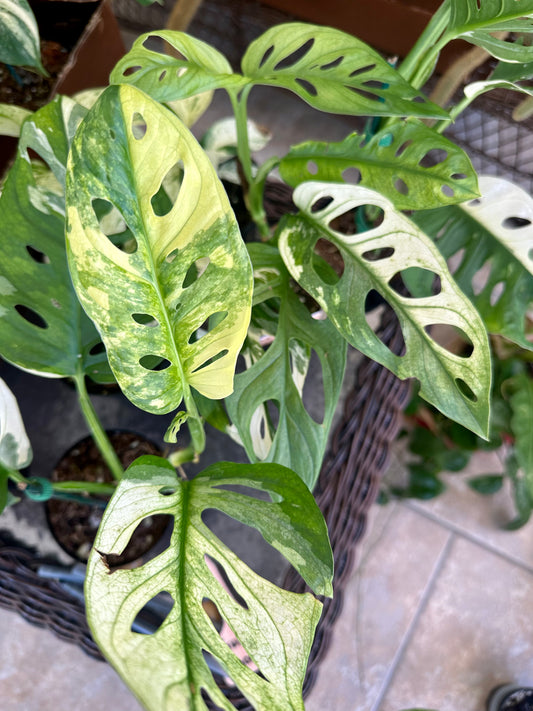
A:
(185, 267)
(298, 439)
(15, 447)
(408, 163)
(168, 670)
(19, 34)
(374, 260)
(492, 238)
(11, 119)
(43, 328)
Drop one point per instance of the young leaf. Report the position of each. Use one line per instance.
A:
(476, 20)
(197, 68)
(15, 447)
(167, 669)
(20, 35)
(298, 440)
(477, 88)
(392, 162)
(458, 386)
(187, 264)
(43, 327)
(494, 236)
(333, 71)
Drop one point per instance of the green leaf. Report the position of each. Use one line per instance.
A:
(197, 68)
(298, 439)
(167, 669)
(327, 68)
(333, 71)
(15, 447)
(477, 88)
(188, 261)
(392, 162)
(20, 35)
(486, 484)
(475, 20)
(11, 119)
(493, 237)
(458, 386)
(521, 402)
(43, 327)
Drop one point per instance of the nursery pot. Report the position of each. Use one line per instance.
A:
(74, 524)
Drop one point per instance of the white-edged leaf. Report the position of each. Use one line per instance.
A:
(19, 35)
(458, 386)
(475, 89)
(15, 447)
(220, 144)
(167, 670)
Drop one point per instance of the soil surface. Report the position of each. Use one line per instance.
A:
(73, 524)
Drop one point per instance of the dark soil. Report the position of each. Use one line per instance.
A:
(73, 524)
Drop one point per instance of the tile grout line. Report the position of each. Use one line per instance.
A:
(470, 537)
(428, 591)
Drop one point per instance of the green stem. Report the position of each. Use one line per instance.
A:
(418, 66)
(454, 112)
(253, 190)
(99, 435)
(91, 487)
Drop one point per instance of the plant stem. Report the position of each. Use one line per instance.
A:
(99, 435)
(253, 190)
(91, 487)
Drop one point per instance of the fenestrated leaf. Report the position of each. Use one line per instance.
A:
(338, 73)
(11, 119)
(475, 20)
(397, 162)
(458, 386)
(298, 440)
(42, 325)
(333, 71)
(188, 262)
(167, 669)
(20, 35)
(494, 235)
(198, 68)
(15, 447)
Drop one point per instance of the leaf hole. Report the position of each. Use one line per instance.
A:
(373, 84)
(399, 348)
(113, 225)
(332, 65)
(294, 57)
(166, 196)
(351, 175)
(476, 202)
(112, 134)
(466, 390)
(208, 326)
(497, 293)
(306, 372)
(266, 56)
(31, 316)
(459, 176)
(515, 223)
(321, 204)
(451, 338)
(405, 145)
(168, 490)
(212, 360)
(195, 271)
(369, 96)
(401, 186)
(362, 70)
(138, 126)
(149, 531)
(455, 261)
(162, 75)
(145, 320)
(329, 253)
(97, 349)
(153, 615)
(312, 167)
(448, 191)
(307, 86)
(37, 255)
(375, 255)
(433, 157)
(131, 70)
(416, 283)
(154, 363)
(419, 100)
(153, 43)
(263, 424)
(481, 278)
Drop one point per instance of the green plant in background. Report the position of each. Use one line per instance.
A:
(155, 269)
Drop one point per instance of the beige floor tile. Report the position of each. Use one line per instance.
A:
(475, 632)
(39, 672)
(396, 564)
(482, 517)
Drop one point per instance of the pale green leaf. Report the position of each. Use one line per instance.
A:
(19, 34)
(191, 109)
(88, 97)
(521, 402)
(43, 328)
(187, 262)
(333, 71)
(408, 163)
(492, 238)
(198, 68)
(298, 439)
(15, 447)
(220, 144)
(167, 670)
(373, 260)
(11, 119)
(476, 20)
